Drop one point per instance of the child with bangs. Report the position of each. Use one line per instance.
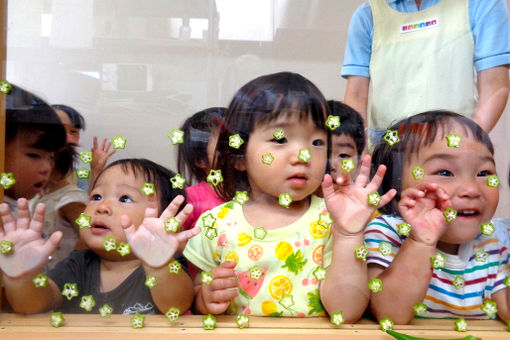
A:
(434, 254)
(274, 249)
(131, 265)
(33, 133)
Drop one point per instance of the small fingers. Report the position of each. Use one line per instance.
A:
(37, 221)
(94, 143)
(185, 235)
(8, 220)
(327, 186)
(364, 172)
(387, 197)
(152, 207)
(173, 207)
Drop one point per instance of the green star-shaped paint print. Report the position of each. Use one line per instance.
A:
(6, 247)
(86, 157)
(5, 87)
(391, 137)
(438, 260)
(172, 225)
(333, 122)
(361, 252)
(490, 308)
(243, 321)
(40, 281)
(137, 320)
(493, 181)
(148, 189)
(259, 233)
(453, 140)
(105, 311)
(83, 173)
(481, 256)
(267, 159)
(83, 221)
(57, 319)
(348, 165)
(87, 302)
(304, 155)
(459, 282)
(208, 220)
(70, 290)
(284, 200)
(209, 322)
(385, 248)
(214, 177)
(241, 197)
(123, 249)
(173, 314)
(178, 182)
(279, 134)
(174, 267)
(235, 141)
(418, 172)
(488, 228)
(450, 215)
(109, 243)
(420, 309)
(404, 229)
(374, 199)
(337, 318)
(118, 142)
(151, 281)
(386, 324)
(7, 180)
(319, 273)
(375, 285)
(207, 278)
(176, 136)
(461, 325)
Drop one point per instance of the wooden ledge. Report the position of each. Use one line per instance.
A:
(85, 326)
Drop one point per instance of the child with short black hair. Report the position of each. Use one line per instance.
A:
(130, 248)
(434, 251)
(348, 140)
(196, 157)
(274, 250)
(33, 133)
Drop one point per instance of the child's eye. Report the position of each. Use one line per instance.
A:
(447, 173)
(484, 173)
(125, 199)
(344, 155)
(280, 141)
(96, 197)
(318, 142)
(34, 155)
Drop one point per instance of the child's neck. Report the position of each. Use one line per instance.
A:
(265, 211)
(113, 273)
(448, 248)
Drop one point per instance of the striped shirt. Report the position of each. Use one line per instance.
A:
(463, 285)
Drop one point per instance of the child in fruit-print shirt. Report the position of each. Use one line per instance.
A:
(273, 249)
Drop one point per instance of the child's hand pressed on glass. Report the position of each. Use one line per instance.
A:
(217, 295)
(150, 242)
(348, 204)
(422, 207)
(100, 155)
(30, 251)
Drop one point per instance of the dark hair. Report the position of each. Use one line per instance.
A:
(197, 133)
(64, 161)
(152, 173)
(261, 101)
(351, 123)
(76, 118)
(27, 113)
(415, 132)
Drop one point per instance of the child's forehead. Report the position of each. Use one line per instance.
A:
(118, 174)
(343, 140)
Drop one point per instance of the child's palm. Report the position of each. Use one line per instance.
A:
(30, 250)
(348, 205)
(422, 208)
(150, 242)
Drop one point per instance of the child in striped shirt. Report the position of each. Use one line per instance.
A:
(434, 254)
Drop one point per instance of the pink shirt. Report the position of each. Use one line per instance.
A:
(203, 198)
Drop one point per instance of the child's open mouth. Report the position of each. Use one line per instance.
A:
(99, 229)
(467, 213)
(298, 180)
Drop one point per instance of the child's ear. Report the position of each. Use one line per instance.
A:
(240, 163)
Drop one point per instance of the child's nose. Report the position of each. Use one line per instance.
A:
(104, 208)
(469, 188)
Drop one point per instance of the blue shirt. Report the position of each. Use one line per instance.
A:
(489, 25)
